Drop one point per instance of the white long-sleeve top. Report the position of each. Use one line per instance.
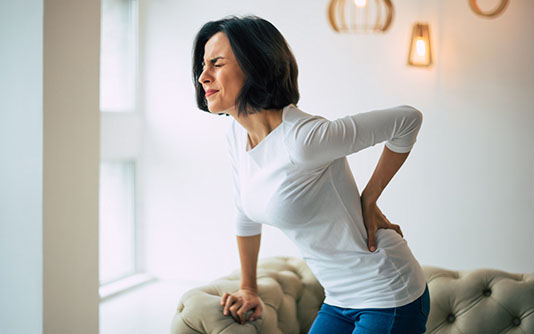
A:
(298, 179)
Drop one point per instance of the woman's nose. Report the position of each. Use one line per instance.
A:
(204, 77)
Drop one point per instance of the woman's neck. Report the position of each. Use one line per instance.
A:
(260, 124)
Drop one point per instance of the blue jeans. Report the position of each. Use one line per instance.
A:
(410, 318)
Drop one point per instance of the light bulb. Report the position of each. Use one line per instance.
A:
(420, 47)
(360, 3)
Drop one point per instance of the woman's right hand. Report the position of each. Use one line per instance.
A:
(240, 302)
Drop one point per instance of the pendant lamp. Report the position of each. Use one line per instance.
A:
(490, 13)
(420, 51)
(357, 16)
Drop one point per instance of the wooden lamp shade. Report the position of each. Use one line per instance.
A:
(420, 51)
(360, 15)
(491, 13)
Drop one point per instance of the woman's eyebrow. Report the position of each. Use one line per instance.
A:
(214, 59)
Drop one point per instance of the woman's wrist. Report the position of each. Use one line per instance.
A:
(369, 197)
(249, 289)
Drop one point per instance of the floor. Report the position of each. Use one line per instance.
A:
(147, 309)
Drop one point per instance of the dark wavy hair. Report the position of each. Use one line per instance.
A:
(264, 57)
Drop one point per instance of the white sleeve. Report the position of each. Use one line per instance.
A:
(244, 227)
(316, 140)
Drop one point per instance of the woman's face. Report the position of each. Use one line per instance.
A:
(222, 78)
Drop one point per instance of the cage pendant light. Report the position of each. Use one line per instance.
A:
(360, 16)
(489, 13)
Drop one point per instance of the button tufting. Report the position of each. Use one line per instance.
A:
(487, 292)
(451, 318)
(516, 321)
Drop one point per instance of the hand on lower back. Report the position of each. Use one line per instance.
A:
(374, 219)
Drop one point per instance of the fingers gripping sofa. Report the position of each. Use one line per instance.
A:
(480, 301)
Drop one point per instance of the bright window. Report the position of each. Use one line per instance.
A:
(120, 142)
(117, 220)
(118, 57)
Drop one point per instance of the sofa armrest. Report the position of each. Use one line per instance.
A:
(290, 292)
(479, 301)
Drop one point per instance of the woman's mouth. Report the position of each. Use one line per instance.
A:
(211, 92)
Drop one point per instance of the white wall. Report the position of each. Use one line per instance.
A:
(463, 198)
(21, 166)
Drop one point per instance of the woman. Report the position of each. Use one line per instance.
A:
(290, 171)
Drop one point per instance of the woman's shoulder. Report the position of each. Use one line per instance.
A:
(298, 122)
(294, 114)
(301, 124)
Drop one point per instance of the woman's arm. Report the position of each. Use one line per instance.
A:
(388, 165)
(318, 141)
(249, 248)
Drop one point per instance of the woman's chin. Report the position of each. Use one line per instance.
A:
(213, 108)
(218, 110)
(214, 111)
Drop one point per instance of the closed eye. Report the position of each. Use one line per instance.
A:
(214, 65)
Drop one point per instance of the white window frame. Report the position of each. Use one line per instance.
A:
(127, 147)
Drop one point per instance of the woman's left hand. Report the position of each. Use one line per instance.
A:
(374, 219)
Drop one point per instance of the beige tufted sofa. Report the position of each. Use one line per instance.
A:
(471, 302)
